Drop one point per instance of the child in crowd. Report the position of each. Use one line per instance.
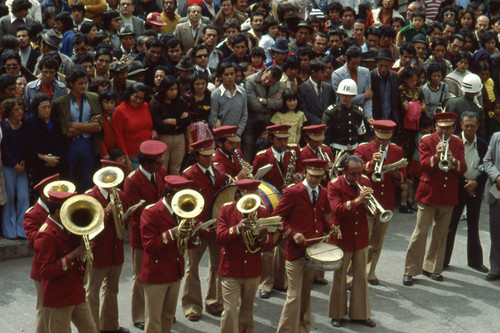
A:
(240, 73)
(290, 115)
(257, 57)
(494, 117)
(414, 170)
(435, 91)
(413, 107)
(270, 28)
(397, 23)
(107, 100)
(454, 79)
(262, 142)
(489, 42)
(407, 33)
(488, 90)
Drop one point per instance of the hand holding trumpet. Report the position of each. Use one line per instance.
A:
(364, 194)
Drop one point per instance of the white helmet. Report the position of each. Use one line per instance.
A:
(347, 87)
(472, 84)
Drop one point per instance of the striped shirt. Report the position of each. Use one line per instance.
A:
(432, 7)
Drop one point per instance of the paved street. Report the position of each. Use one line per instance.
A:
(464, 302)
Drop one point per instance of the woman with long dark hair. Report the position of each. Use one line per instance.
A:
(132, 123)
(171, 120)
(198, 100)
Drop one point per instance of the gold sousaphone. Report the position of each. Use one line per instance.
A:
(249, 204)
(83, 215)
(186, 204)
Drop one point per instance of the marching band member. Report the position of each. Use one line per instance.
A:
(347, 202)
(107, 248)
(62, 272)
(437, 194)
(162, 265)
(147, 183)
(314, 136)
(207, 180)
(229, 158)
(34, 218)
(240, 269)
(303, 208)
(380, 150)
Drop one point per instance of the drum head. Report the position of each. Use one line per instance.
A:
(225, 194)
(324, 252)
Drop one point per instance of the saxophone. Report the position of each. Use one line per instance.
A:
(290, 168)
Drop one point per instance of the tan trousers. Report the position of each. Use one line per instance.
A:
(377, 232)
(359, 303)
(172, 158)
(240, 320)
(161, 302)
(59, 319)
(137, 294)
(105, 314)
(440, 217)
(192, 301)
(273, 268)
(296, 313)
(40, 322)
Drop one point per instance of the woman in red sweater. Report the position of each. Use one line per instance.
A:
(132, 123)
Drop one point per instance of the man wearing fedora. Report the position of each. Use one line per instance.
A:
(316, 95)
(279, 51)
(119, 81)
(50, 42)
(127, 41)
(385, 87)
(135, 24)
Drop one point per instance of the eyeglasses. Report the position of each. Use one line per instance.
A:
(12, 67)
(202, 56)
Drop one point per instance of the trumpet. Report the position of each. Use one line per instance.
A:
(377, 175)
(444, 164)
(249, 204)
(83, 215)
(375, 207)
(187, 204)
(109, 178)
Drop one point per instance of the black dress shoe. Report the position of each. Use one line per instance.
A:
(282, 290)
(374, 282)
(321, 282)
(337, 323)
(405, 210)
(492, 277)
(481, 268)
(412, 206)
(139, 325)
(433, 276)
(407, 280)
(264, 294)
(217, 314)
(367, 322)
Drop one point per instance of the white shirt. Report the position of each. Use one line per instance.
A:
(310, 190)
(146, 173)
(315, 85)
(279, 156)
(224, 91)
(471, 158)
(209, 170)
(104, 193)
(41, 203)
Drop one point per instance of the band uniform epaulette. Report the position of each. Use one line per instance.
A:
(215, 163)
(392, 143)
(227, 203)
(334, 180)
(425, 135)
(149, 206)
(88, 191)
(330, 107)
(43, 227)
(28, 210)
(130, 175)
(290, 185)
(188, 168)
(365, 176)
(261, 152)
(363, 143)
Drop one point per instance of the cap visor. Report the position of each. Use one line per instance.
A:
(445, 123)
(320, 137)
(282, 135)
(315, 172)
(234, 139)
(383, 135)
(207, 152)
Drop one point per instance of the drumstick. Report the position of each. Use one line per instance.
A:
(322, 238)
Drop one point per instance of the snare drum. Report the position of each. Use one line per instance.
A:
(324, 256)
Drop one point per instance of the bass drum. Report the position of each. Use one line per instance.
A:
(268, 193)
(270, 197)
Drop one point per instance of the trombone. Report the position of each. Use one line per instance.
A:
(186, 204)
(444, 164)
(83, 215)
(249, 204)
(375, 207)
(377, 175)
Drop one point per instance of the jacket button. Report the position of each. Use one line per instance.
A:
(445, 178)
(156, 261)
(357, 213)
(381, 193)
(314, 208)
(350, 122)
(382, 185)
(244, 261)
(355, 232)
(316, 231)
(177, 259)
(444, 185)
(355, 222)
(350, 131)
(246, 251)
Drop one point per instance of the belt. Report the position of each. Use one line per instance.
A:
(343, 147)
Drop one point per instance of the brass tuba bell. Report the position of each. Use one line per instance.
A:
(83, 215)
(186, 204)
(249, 204)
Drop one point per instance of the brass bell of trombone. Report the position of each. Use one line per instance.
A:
(59, 186)
(82, 215)
(248, 203)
